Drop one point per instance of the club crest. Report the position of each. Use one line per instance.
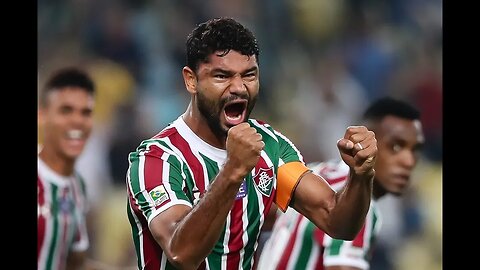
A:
(264, 181)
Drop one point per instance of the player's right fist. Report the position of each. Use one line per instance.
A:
(244, 145)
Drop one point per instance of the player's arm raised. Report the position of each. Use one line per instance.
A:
(341, 215)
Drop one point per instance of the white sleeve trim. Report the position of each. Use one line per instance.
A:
(354, 262)
(81, 245)
(165, 207)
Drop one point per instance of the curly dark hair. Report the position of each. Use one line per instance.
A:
(390, 106)
(67, 77)
(219, 34)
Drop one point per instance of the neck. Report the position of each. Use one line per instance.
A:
(199, 125)
(60, 165)
(377, 191)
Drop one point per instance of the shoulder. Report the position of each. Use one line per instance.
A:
(260, 125)
(266, 129)
(157, 145)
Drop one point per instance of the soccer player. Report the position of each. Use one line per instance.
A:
(199, 190)
(65, 117)
(296, 243)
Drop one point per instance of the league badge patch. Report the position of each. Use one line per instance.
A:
(158, 195)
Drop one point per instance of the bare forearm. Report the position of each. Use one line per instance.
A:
(351, 207)
(76, 260)
(203, 225)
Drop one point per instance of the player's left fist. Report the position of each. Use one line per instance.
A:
(358, 148)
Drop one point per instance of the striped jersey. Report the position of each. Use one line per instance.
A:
(61, 213)
(176, 167)
(296, 243)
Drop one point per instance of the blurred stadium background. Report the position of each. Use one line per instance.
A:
(321, 61)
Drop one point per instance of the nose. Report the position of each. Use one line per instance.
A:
(237, 85)
(409, 159)
(78, 118)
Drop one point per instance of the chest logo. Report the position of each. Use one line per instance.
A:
(264, 180)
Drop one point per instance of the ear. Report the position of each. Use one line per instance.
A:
(190, 80)
(40, 116)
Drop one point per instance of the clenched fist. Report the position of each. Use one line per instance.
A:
(358, 148)
(244, 146)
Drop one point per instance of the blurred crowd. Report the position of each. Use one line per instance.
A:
(321, 62)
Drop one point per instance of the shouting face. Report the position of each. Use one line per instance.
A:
(226, 90)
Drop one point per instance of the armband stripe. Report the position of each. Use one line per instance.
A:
(287, 179)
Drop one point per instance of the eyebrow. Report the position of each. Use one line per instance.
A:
(229, 72)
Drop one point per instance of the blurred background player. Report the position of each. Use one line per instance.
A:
(65, 116)
(296, 243)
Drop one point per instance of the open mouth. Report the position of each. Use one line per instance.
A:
(75, 134)
(235, 112)
(75, 137)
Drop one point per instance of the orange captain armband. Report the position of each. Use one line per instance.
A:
(287, 179)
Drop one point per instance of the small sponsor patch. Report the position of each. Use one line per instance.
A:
(158, 195)
(242, 191)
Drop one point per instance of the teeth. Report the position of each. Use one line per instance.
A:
(234, 117)
(75, 134)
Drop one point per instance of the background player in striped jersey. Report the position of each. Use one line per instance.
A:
(199, 190)
(65, 118)
(296, 243)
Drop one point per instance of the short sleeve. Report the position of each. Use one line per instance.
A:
(155, 182)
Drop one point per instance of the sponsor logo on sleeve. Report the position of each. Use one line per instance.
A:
(158, 195)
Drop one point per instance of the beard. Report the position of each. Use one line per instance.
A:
(211, 111)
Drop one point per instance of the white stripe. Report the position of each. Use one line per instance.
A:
(137, 220)
(368, 229)
(207, 266)
(244, 228)
(313, 258)
(266, 158)
(48, 225)
(57, 251)
(183, 162)
(226, 238)
(80, 213)
(195, 152)
(155, 212)
(261, 209)
(165, 172)
(166, 179)
(345, 261)
(140, 236)
(141, 173)
(262, 127)
(163, 263)
(298, 244)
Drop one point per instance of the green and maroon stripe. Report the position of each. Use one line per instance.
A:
(41, 221)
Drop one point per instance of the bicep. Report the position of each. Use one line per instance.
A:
(162, 226)
(76, 260)
(314, 198)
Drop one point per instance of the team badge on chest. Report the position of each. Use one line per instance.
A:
(263, 180)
